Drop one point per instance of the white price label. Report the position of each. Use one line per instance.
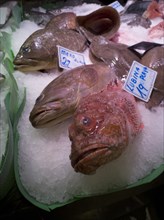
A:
(116, 5)
(69, 59)
(140, 81)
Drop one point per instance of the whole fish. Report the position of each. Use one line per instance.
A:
(103, 125)
(115, 55)
(154, 59)
(39, 51)
(60, 98)
(104, 21)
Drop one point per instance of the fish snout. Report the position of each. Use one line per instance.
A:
(92, 157)
(42, 115)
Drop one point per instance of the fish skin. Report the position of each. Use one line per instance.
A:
(65, 20)
(60, 98)
(104, 21)
(138, 7)
(134, 20)
(115, 55)
(154, 59)
(103, 125)
(39, 51)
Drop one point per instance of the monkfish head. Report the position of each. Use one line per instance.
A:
(102, 128)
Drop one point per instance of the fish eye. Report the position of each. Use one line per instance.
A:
(86, 121)
(40, 98)
(26, 49)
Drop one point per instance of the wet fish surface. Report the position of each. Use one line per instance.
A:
(154, 59)
(39, 51)
(103, 125)
(104, 21)
(60, 98)
(115, 55)
(136, 20)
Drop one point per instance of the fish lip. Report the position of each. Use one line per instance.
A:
(39, 119)
(25, 64)
(21, 60)
(87, 153)
(44, 117)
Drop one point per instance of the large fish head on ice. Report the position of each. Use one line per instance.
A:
(35, 53)
(103, 125)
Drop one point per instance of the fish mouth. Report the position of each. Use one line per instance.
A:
(42, 117)
(28, 64)
(93, 157)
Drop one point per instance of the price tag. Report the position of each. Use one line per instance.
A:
(116, 5)
(140, 81)
(69, 59)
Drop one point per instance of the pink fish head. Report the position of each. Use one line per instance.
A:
(104, 124)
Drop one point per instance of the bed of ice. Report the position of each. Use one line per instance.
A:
(43, 154)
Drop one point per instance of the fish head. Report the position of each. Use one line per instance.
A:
(35, 53)
(54, 105)
(99, 134)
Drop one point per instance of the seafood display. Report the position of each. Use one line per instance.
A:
(39, 51)
(104, 124)
(81, 133)
(105, 118)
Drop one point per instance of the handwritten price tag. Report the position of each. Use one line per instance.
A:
(140, 81)
(69, 59)
(116, 5)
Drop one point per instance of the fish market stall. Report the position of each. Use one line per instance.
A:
(76, 126)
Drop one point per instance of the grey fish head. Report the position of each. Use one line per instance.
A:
(35, 54)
